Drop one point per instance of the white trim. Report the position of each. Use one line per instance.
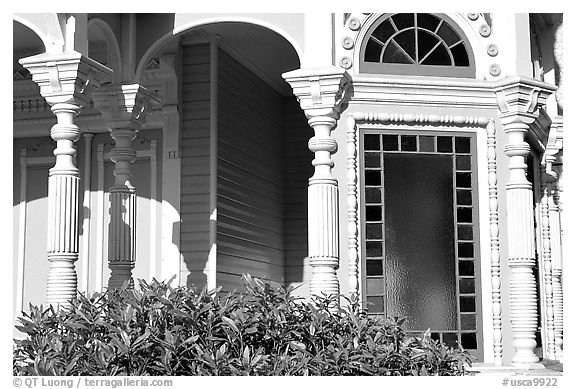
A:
(153, 208)
(211, 265)
(21, 234)
(488, 248)
(85, 255)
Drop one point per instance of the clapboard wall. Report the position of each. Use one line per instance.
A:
(195, 163)
(250, 232)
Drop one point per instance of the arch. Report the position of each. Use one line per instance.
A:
(35, 29)
(115, 56)
(464, 34)
(213, 20)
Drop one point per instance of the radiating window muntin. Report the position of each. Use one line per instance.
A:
(416, 44)
(376, 143)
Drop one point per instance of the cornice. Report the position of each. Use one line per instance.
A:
(520, 98)
(427, 91)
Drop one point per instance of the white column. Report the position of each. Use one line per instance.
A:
(320, 93)
(123, 109)
(64, 81)
(519, 102)
(546, 261)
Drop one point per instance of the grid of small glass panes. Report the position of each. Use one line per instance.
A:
(375, 145)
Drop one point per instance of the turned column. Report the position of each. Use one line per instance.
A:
(123, 109)
(65, 80)
(519, 103)
(554, 150)
(320, 93)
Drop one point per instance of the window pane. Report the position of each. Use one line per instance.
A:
(375, 304)
(371, 142)
(420, 279)
(467, 285)
(374, 267)
(439, 56)
(426, 43)
(374, 231)
(464, 215)
(426, 143)
(373, 249)
(372, 159)
(407, 41)
(463, 162)
(468, 322)
(462, 145)
(374, 286)
(427, 21)
(463, 180)
(372, 177)
(467, 304)
(444, 144)
(408, 142)
(460, 55)
(466, 250)
(450, 339)
(373, 51)
(464, 197)
(403, 20)
(373, 213)
(465, 233)
(390, 142)
(466, 268)
(383, 31)
(393, 54)
(469, 341)
(448, 34)
(373, 195)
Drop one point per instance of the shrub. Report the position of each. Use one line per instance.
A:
(163, 330)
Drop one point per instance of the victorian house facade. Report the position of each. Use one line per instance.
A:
(412, 159)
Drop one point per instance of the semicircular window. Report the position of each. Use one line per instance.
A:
(416, 44)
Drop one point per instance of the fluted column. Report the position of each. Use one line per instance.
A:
(65, 80)
(320, 93)
(123, 109)
(519, 103)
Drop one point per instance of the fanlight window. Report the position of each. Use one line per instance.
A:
(418, 44)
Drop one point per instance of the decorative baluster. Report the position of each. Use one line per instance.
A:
(494, 244)
(353, 252)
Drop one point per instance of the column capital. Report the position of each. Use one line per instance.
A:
(66, 77)
(554, 145)
(320, 91)
(124, 106)
(520, 99)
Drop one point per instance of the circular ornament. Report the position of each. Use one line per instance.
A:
(354, 24)
(495, 69)
(347, 42)
(472, 16)
(485, 30)
(346, 62)
(492, 50)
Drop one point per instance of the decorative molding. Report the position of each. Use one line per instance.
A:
(353, 185)
(494, 243)
(485, 30)
(546, 262)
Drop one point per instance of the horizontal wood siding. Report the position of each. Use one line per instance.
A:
(195, 148)
(250, 232)
(297, 170)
